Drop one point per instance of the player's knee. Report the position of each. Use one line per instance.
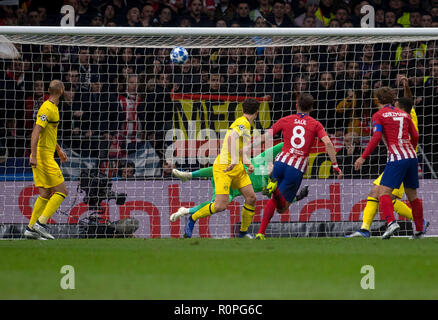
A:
(220, 206)
(374, 193)
(251, 199)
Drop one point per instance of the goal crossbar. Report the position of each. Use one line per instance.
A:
(161, 37)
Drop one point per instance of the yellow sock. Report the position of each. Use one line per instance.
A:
(205, 211)
(51, 207)
(38, 209)
(402, 209)
(369, 212)
(247, 215)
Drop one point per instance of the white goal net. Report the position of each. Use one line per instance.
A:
(130, 115)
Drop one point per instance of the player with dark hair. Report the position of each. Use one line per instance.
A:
(229, 172)
(299, 131)
(401, 138)
(46, 173)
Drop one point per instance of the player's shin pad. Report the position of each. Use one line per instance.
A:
(205, 211)
(369, 213)
(247, 215)
(51, 207)
(38, 209)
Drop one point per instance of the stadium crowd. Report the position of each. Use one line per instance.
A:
(118, 100)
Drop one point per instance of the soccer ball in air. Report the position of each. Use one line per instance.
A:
(179, 55)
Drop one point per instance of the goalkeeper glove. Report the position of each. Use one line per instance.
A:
(270, 188)
(304, 192)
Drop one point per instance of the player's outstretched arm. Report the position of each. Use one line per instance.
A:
(34, 143)
(330, 149)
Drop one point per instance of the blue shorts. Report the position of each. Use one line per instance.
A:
(405, 171)
(288, 180)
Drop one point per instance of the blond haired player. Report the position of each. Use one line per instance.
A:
(229, 172)
(400, 207)
(46, 173)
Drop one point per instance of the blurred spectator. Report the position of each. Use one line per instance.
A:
(164, 17)
(390, 19)
(84, 68)
(109, 13)
(33, 103)
(348, 154)
(72, 77)
(224, 10)
(129, 101)
(278, 15)
(379, 19)
(342, 14)
(84, 13)
(33, 17)
(246, 83)
(196, 17)
(100, 120)
(357, 108)
(334, 23)
(263, 10)
(96, 20)
(133, 17)
(12, 90)
(71, 117)
(426, 20)
(242, 14)
(325, 12)
(326, 98)
(147, 15)
(367, 64)
(221, 23)
(311, 7)
(126, 170)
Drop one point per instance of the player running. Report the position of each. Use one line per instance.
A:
(299, 131)
(406, 104)
(396, 126)
(46, 173)
(229, 172)
(259, 180)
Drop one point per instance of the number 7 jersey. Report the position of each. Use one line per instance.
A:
(396, 126)
(299, 132)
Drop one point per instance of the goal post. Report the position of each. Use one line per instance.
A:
(129, 116)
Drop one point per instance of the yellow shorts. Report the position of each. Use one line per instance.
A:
(396, 192)
(235, 179)
(47, 173)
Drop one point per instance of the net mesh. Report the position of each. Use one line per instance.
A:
(129, 116)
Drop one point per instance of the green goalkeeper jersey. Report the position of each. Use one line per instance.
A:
(260, 177)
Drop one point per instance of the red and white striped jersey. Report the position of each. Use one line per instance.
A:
(395, 126)
(131, 126)
(299, 132)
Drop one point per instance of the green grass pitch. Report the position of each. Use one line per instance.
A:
(295, 268)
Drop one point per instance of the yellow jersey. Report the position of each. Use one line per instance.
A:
(415, 120)
(48, 118)
(243, 128)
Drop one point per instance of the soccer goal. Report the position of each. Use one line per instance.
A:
(129, 116)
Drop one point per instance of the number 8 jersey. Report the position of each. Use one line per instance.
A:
(299, 131)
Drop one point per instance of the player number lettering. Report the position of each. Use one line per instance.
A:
(298, 134)
(400, 129)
